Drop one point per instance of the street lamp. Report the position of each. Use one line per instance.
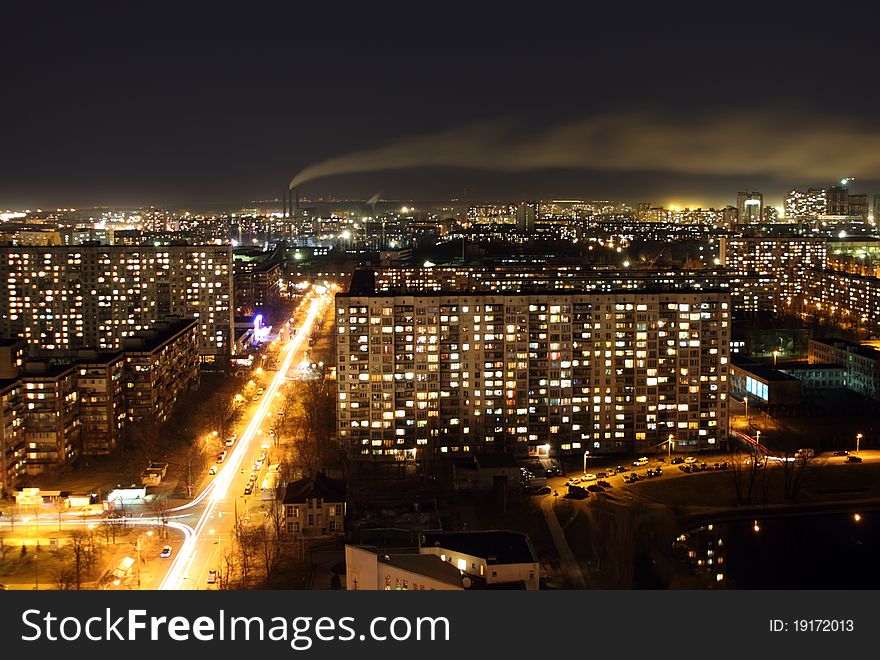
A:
(775, 355)
(858, 441)
(670, 442)
(586, 453)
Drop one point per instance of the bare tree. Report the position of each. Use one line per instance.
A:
(84, 554)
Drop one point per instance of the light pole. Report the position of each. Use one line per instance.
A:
(775, 355)
(858, 441)
(669, 443)
(746, 399)
(586, 453)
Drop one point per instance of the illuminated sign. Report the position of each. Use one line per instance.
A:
(756, 388)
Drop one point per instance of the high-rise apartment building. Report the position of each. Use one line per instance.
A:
(749, 207)
(532, 374)
(70, 297)
(837, 200)
(808, 204)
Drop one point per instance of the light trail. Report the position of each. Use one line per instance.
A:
(218, 490)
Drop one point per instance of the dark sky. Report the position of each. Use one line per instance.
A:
(129, 103)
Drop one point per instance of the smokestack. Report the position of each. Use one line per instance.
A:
(284, 212)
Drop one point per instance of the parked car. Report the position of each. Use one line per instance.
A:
(841, 453)
(601, 475)
(604, 484)
(248, 489)
(573, 481)
(212, 576)
(577, 492)
(690, 460)
(676, 460)
(651, 473)
(589, 476)
(539, 490)
(166, 552)
(622, 468)
(213, 470)
(852, 458)
(639, 462)
(221, 457)
(684, 468)
(595, 488)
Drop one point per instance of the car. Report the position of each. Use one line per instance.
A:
(684, 468)
(166, 552)
(557, 471)
(595, 488)
(604, 484)
(611, 471)
(805, 453)
(725, 465)
(256, 397)
(690, 460)
(634, 477)
(703, 466)
(677, 460)
(651, 473)
(213, 470)
(261, 390)
(212, 576)
(658, 470)
(539, 490)
(262, 456)
(221, 457)
(852, 458)
(230, 441)
(841, 453)
(258, 465)
(589, 476)
(248, 489)
(622, 468)
(601, 475)
(639, 462)
(265, 445)
(577, 492)
(573, 481)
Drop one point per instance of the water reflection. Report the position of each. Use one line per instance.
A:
(829, 551)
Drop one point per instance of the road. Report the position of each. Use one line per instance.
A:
(212, 513)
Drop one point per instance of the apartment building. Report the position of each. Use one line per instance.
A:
(782, 265)
(160, 365)
(102, 404)
(314, 507)
(861, 363)
(12, 451)
(50, 410)
(531, 373)
(63, 298)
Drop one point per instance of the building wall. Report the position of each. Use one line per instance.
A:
(102, 405)
(12, 449)
(528, 573)
(364, 572)
(51, 420)
(314, 518)
(480, 372)
(65, 298)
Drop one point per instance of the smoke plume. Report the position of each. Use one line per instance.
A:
(783, 146)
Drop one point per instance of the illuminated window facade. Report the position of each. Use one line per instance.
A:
(531, 373)
(64, 298)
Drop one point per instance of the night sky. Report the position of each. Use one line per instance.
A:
(132, 104)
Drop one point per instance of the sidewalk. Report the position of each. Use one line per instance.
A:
(567, 559)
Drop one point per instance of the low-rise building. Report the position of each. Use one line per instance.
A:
(763, 384)
(861, 362)
(497, 558)
(367, 568)
(485, 472)
(314, 507)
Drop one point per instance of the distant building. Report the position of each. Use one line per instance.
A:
(862, 363)
(314, 507)
(750, 207)
(809, 204)
(858, 205)
(527, 214)
(837, 200)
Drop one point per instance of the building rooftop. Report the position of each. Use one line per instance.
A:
(162, 331)
(858, 349)
(495, 546)
(428, 565)
(319, 486)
